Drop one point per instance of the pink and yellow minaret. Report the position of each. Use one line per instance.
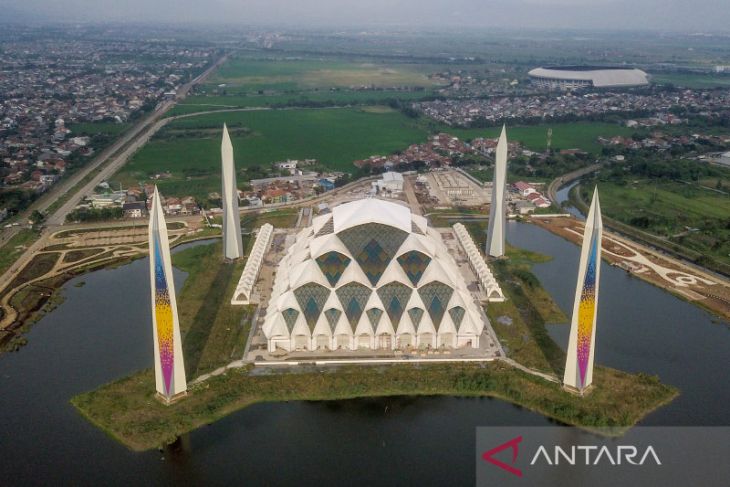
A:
(169, 365)
(579, 364)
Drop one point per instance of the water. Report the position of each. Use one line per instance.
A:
(102, 332)
(562, 196)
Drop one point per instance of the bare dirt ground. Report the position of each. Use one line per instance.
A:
(692, 283)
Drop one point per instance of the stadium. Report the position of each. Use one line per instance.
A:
(576, 77)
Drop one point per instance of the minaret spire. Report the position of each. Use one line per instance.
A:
(169, 365)
(496, 230)
(232, 244)
(581, 345)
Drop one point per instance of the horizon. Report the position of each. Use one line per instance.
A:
(705, 17)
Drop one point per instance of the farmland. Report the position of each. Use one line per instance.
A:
(245, 75)
(335, 137)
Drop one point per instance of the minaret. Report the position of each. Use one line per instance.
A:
(496, 231)
(232, 245)
(169, 365)
(579, 364)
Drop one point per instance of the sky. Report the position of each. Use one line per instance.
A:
(679, 15)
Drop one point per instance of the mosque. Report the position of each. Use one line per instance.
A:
(370, 275)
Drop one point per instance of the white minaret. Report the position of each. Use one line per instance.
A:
(579, 364)
(232, 245)
(169, 364)
(496, 231)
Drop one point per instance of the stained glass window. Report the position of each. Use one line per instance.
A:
(415, 314)
(333, 264)
(457, 315)
(395, 296)
(311, 298)
(374, 315)
(332, 315)
(414, 264)
(435, 296)
(327, 228)
(373, 245)
(290, 317)
(353, 297)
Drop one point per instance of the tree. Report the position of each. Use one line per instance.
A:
(36, 217)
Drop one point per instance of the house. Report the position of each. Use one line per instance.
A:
(523, 207)
(524, 188)
(327, 184)
(136, 209)
(392, 181)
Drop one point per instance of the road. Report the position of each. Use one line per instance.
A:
(106, 163)
(67, 184)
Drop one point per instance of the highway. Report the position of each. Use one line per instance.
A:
(106, 163)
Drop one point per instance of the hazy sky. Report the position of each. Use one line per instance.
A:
(685, 15)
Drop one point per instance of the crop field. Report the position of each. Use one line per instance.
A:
(572, 135)
(339, 97)
(241, 74)
(335, 137)
(189, 148)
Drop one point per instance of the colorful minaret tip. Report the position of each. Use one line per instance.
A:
(496, 230)
(232, 243)
(579, 364)
(169, 364)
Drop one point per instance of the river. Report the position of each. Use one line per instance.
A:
(101, 332)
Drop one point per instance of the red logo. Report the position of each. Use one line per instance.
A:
(513, 443)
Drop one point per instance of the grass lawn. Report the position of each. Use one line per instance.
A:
(693, 217)
(212, 329)
(16, 246)
(688, 80)
(253, 74)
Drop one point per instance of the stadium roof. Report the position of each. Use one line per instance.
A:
(600, 77)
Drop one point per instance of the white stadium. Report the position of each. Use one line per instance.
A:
(373, 275)
(576, 77)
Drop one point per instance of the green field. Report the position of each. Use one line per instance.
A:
(336, 137)
(692, 80)
(693, 217)
(202, 103)
(189, 148)
(573, 135)
(105, 128)
(245, 75)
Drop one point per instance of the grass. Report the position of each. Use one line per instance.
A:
(688, 80)
(40, 264)
(94, 128)
(127, 410)
(211, 326)
(15, 247)
(241, 74)
(572, 135)
(203, 103)
(76, 255)
(336, 137)
(669, 209)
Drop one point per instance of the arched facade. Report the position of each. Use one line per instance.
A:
(371, 275)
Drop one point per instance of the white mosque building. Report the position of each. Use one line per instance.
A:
(370, 275)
